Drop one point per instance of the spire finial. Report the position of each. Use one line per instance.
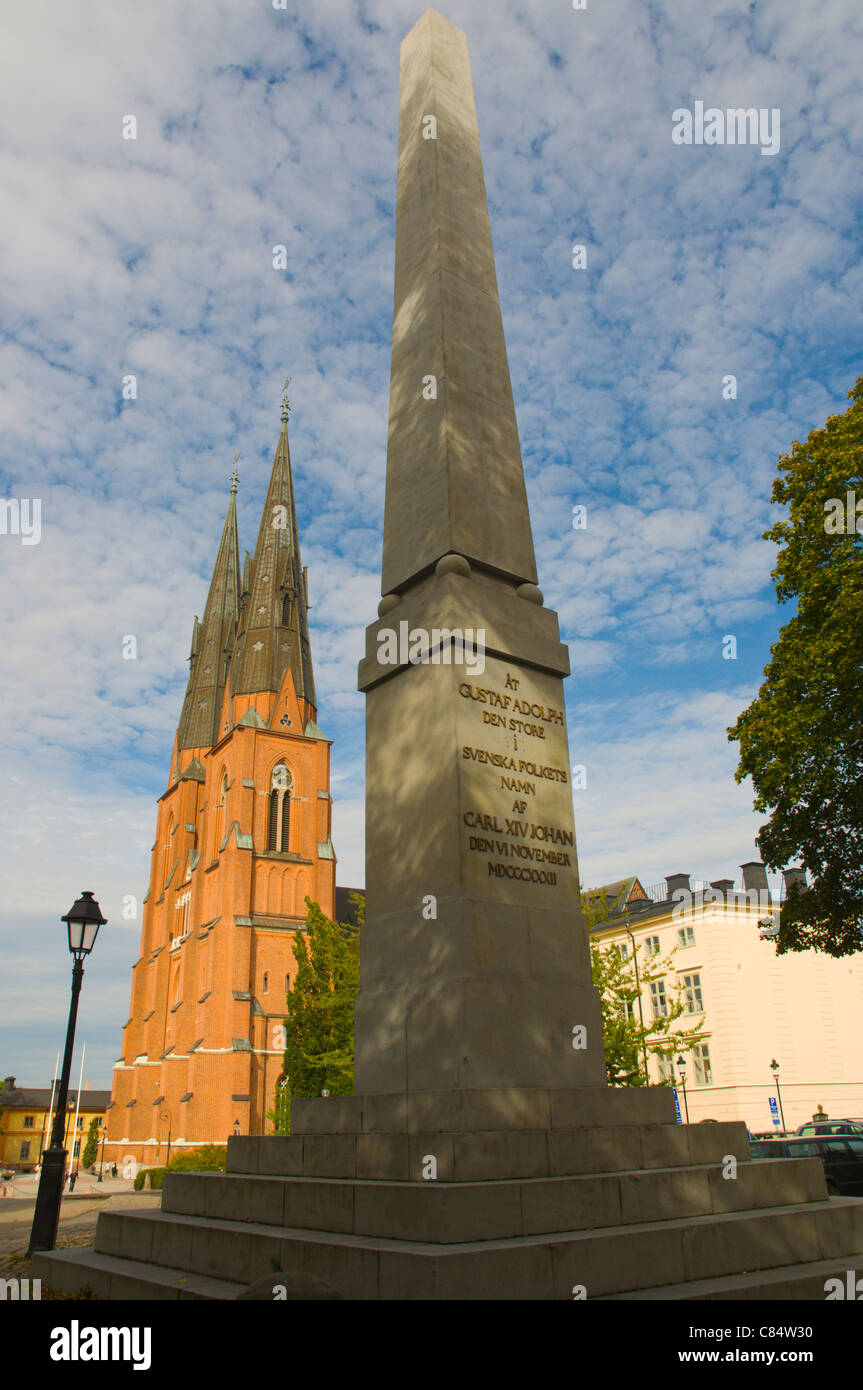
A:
(286, 406)
(235, 475)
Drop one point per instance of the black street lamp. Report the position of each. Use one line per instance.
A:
(83, 922)
(166, 1115)
(681, 1067)
(774, 1067)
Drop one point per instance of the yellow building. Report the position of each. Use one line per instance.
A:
(801, 1010)
(25, 1123)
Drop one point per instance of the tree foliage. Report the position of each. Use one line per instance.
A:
(91, 1145)
(319, 1027)
(801, 739)
(627, 1036)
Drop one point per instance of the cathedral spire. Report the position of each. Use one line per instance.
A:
(213, 639)
(274, 626)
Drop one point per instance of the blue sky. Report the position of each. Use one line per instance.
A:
(259, 127)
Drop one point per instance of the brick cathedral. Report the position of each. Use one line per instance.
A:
(243, 835)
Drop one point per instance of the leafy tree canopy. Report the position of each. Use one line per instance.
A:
(320, 1024)
(629, 1033)
(801, 739)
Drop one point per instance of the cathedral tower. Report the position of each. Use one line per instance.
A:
(242, 837)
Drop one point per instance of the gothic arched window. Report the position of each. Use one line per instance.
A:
(166, 861)
(221, 804)
(278, 835)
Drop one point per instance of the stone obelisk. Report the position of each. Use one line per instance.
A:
(475, 962)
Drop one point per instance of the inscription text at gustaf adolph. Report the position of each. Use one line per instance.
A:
(515, 812)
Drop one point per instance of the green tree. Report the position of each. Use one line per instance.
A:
(625, 1038)
(319, 1027)
(91, 1144)
(801, 739)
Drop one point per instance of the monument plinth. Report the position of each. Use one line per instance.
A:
(482, 1155)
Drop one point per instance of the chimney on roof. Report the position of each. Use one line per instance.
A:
(674, 882)
(86, 1085)
(755, 876)
(9, 1083)
(795, 875)
(725, 886)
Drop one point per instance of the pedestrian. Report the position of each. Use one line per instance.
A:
(113, 1170)
(72, 1177)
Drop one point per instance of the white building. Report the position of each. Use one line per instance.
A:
(802, 1010)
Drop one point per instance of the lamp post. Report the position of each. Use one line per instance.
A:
(640, 1008)
(774, 1067)
(681, 1067)
(166, 1115)
(102, 1158)
(83, 921)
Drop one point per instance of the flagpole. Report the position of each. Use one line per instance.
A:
(50, 1108)
(72, 1167)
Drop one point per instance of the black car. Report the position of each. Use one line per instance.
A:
(842, 1156)
(822, 1127)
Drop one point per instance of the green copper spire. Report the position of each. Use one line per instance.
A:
(274, 630)
(213, 640)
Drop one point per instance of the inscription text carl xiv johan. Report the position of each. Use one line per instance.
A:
(515, 787)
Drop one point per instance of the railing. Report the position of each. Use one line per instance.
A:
(658, 892)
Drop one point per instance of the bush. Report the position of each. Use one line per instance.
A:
(152, 1177)
(210, 1158)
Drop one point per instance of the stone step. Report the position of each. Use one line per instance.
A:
(479, 1156)
(471, 1111)
(657, 1254)
(110, 1277)
(450, 1213)
(806, 1281)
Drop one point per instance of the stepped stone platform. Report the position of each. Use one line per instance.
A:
(537, 1194)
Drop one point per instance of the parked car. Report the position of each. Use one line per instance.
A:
(831, 1127)
(841, 1155)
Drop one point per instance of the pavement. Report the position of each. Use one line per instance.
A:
(79, 1213)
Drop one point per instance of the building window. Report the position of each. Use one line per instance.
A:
(652, 946)
(659, 999)
(623, 951)
(221, 812)
(664, 1068)
(628, 1008)
(80, 1124)
(692, 990)
(701, 1058)
(29, 1121)
(166, 861)
(686, 936)
(266, 982)
(278, 832)
(287, 984)
(76, 1149)
(25, 1149)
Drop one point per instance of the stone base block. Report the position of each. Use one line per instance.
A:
(479, 1156)
(473, 1109)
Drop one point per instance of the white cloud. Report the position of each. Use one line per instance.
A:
(261, 127)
